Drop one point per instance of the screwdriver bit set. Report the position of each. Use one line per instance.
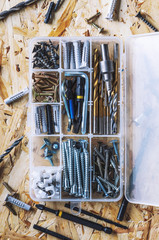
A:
(76, 102)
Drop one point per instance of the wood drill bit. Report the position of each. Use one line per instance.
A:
(16, 8)
(96, 92)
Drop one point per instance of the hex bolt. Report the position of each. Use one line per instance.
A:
(71, 166)
(115, 148)
(77, 53)
(79, 173)
(66, 55)
(111, 10)
(65, 168)
(87, 177)
(85, 55)
(102, 187)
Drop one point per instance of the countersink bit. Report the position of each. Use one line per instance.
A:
(96, 92)
(107, 69)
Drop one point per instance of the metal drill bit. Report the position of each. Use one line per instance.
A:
(95, 91)
(105, 122)
(8, 150)
(101, 112)
(16, 8)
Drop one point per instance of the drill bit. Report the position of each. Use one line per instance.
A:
(96, 91)
(107, 69)
(16, 8)
(105, 118)
(8, 150)
(101, 109)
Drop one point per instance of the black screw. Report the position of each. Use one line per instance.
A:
(146, 21)
(49, 119)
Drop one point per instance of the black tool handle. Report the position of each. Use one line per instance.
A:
(84, 222)
(47, 231)
(122, 209)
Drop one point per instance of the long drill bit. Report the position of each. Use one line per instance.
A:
(101, 106)
(8, 150)
(96, 92)
(16, 8)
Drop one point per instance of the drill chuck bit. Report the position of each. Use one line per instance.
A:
(106, 68)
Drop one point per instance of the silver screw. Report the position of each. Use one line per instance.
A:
(65, 168)
(77, 160)
(56, 117)
(86, 185)
(66, 55)
(102, 187)
(82, 166)
(109, 183)
(94, 173)
(43, 119)
(99, 154)
(71, 165)
(77, 53)
(72, 58)
(75, 175)
(85, 55)
(111, 10)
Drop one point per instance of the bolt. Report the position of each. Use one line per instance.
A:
(87, 177)
(77, 53)
(111, 10)
(146, 21)
(102, 187)
(115, 148)
(79, 177)
(65, 168)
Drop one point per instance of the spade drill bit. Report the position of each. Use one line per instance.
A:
(107, 68)
(96, 92)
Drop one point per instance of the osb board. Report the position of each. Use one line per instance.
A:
(15, 33)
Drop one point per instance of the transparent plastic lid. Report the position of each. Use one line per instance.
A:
(142, 119)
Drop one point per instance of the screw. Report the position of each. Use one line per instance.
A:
(55, 146)
(66, 55)
(86, 185)
(79, 177)
(102, 187)
(53, 55)
(46, 143)
(50, 160)
(85, 55)
(109, 183)
(75, 174)
(77, 53)
(100, 29)
(111, 10)
(94, 17)
(99, 154)
(82, 166)
(94, 173)
(115, 148)
(146, 21)
(71, 165)
(72, 58)
(65, 168)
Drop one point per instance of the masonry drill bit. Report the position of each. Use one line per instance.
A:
(96, 92)
(8, 150)
(16, 8)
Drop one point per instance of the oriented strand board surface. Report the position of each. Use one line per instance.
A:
(15, 33)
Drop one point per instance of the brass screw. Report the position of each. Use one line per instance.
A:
(100, 29)
(94, 17)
